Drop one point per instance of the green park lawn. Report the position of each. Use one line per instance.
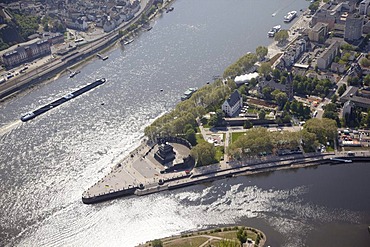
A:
(186, 242)
(236, 135)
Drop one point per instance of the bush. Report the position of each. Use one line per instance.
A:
(157, 243)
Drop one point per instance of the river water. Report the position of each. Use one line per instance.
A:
(46, 163)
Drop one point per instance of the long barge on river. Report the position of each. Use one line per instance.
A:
(62, 100)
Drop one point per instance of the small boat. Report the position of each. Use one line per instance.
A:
(73, 73)
(169, 9)
(128, 41)
(341, 160)
(28, 116)
(149, 28)
(68, 96)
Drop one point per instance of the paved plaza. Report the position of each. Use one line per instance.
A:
(138, 168)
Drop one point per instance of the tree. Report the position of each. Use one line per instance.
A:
(26, 24)
(294, 106)
(157, 243)
(314, 6)
(247, 124)
(276, 74)
(309, 142)
(261, 52)
(190, 136)
(347, 47)
(325, 129)
(265, 69)
(367, 80)
(252, 143)
(342, 89)
(334, 98)
(46, 27)
(267, 92)
(365, 62)
(216, 119)
(330, 107)
(368, 119)
(287, 106)
(204, 153)
(242, 236)
(280, 97)
(262, 114)
(353, 81)
(282, 36)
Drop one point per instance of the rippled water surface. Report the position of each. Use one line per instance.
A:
(46, 163)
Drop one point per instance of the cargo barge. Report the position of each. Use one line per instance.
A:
(62, 100)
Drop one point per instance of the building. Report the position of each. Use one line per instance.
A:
(338, 68)
(318, 33)
(54, 38)
(352, 94)
(323, 16)
(353, 28)
(233, 104)
(77, 24)
(27, 53)
(286, 88)
(328, 55)
(364, 7)
(294, 52)
(348, 107)
(366, 28)
(271, 84)
(109, 25)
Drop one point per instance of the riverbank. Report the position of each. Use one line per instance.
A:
(139, 174)
(254, 237)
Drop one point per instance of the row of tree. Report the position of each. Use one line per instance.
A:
(311, 86)
(186, 112)
(257, 141)
(245, 63)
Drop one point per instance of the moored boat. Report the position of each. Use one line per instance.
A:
(62, 100)
(188, 93)
(290, 16)
(169, 9)
(102, 57)
(274, 30)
